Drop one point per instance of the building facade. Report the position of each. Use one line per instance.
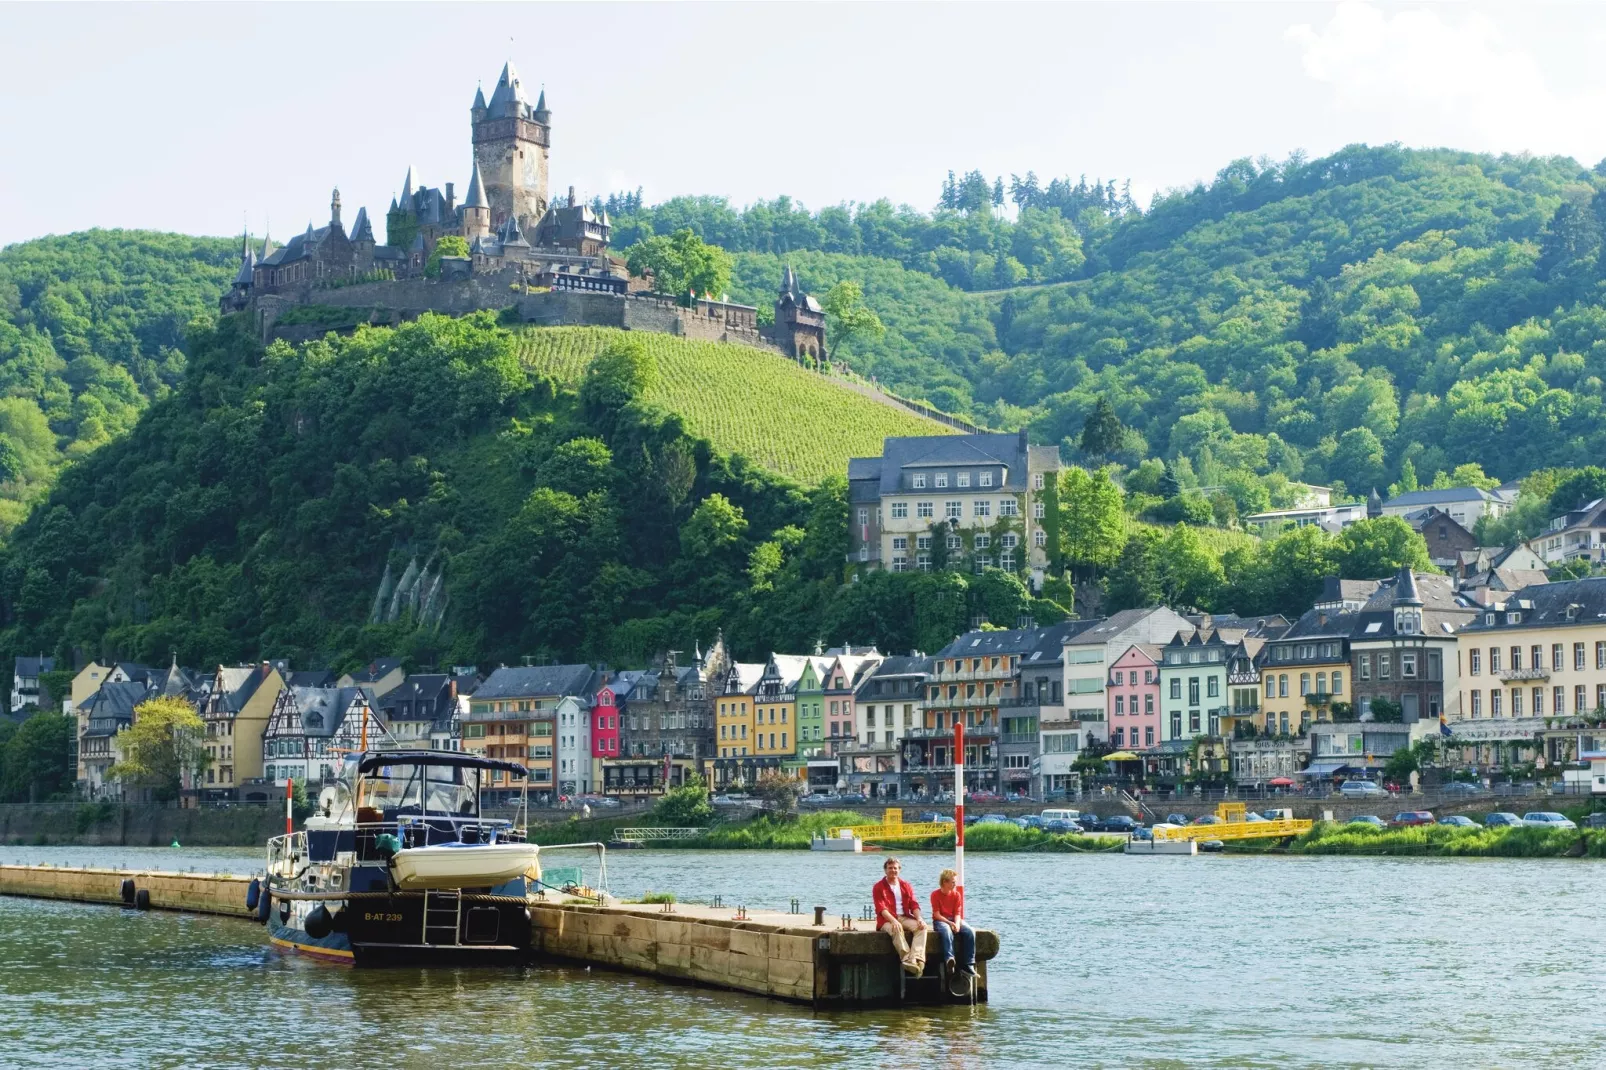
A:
(1540, 654)
(1403, 647)
(236, 715)
(975, 501)
(1305, 672)
(1133, 696)
(513, 716)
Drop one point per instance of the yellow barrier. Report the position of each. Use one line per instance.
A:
(1235, 830)
(903, 830)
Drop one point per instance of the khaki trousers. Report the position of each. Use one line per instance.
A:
(912, 952)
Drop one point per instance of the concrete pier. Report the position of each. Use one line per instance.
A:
(767, 953)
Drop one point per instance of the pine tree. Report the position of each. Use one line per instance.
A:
(1102, 433)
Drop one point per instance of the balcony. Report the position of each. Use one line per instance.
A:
(925, 732)
(1017, 702)
(1514, 675)
(1242, 678)
(1018, 737)
(1245, 711)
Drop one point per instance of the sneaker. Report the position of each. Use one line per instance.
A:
(948, 964)
(968, 969)
(912, 970)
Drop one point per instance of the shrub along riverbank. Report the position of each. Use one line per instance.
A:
(772, 832)
(1328, 838)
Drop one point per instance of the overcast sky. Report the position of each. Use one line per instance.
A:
(197, 117)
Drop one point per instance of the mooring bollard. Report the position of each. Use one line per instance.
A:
(847, 923)
(741, 913)
(796, 909)
(717, 901)
(865, 913)
(819, 915)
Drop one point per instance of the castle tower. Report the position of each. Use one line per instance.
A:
(511, 140)
(334, 210)
(799, 321)
(362, 242)
(476, 209)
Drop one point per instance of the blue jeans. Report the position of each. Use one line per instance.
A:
(967, 942)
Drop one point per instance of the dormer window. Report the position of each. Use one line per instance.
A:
(962, 479)
(985, 479)
(1408, 621)
(1513, 618)
(919, 480)
(941, 479)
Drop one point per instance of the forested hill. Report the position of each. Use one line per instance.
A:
(1373, 317)
(91, 331)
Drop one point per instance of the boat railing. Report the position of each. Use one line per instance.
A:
(287, 854)
(425, 830)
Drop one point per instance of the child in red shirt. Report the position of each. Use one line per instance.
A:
(948, 915)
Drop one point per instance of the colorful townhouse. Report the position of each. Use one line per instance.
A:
(236, 715)
(1133, 696)
(971, 680)
(513, 716)
(841, 683)
(667, 729)
(574, 746)
(775, 709)
(604, 727)
(811, 707)
(1304, 673)
(737, 762)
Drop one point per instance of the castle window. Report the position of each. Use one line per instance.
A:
(1038, 510)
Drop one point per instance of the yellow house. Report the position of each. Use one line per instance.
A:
(1304, 672)
(85, 684)
(736, 735)
(236, 717)
(775, 706)
(1539, 654)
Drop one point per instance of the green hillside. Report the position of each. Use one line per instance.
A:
(91, 330)
(1377, 316)
(742, 400)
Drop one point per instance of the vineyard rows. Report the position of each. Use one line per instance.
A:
(743, 400)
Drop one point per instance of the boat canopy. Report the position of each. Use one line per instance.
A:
(375, 759)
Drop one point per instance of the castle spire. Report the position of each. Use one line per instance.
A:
(541, 114)
(479, 98)
(407, 188)
(476, 191)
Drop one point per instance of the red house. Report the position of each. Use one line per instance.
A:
(605, 725)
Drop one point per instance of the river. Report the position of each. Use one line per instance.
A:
(1107, 961)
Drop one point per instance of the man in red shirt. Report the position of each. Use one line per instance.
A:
(898, 913)
(948, 915)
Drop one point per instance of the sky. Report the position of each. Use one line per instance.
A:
(204, 118)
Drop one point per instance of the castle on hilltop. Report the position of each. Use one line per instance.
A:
(522, 250)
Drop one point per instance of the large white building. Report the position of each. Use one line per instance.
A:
(974, 500)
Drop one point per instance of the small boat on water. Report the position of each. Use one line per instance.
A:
(398, 864)
(844, 840)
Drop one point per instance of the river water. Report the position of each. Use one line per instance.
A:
(1107, 961)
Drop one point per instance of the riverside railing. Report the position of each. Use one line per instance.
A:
(647, 835)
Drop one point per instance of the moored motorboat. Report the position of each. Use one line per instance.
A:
(398, 864)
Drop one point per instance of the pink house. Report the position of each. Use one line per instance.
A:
(1132, 694)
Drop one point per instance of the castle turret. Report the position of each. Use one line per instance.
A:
(478, 109)
(362, 242)
(476, 209)
(799, 321)
(511, 142)
(409, 187)
(334, 210)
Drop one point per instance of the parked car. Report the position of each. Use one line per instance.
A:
(820, 799)
(1176, 819)
(1596, 820)
(1061, 815)
(932, 815)
(1088, 821)
(1360, 789)
(1251, 817)
(734, 798)
(1207, 819)
(1118, 823)
(993, 819)
(1547, 819)
(983, 796)
(1408, 818)
(1029, 821)
(1502, 819)
(1059, 826)
(1369, 820)
(1458, 821)
(1460, 787)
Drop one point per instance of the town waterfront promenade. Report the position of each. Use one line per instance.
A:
(1108, 960)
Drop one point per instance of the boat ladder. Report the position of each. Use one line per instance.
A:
(443, 917)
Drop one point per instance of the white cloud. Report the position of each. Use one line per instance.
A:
(1447, 80)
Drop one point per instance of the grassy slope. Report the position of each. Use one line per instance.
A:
(743, 400)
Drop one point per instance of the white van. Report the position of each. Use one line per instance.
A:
(1061, 815)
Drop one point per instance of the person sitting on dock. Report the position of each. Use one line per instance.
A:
(898, 912)
(948, 917)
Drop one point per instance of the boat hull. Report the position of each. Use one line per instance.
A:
(391, 930)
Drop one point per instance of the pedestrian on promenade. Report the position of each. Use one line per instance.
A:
(898, 914)
(948, 916)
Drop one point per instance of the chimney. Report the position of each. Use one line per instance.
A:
(571, 196)
(451, 690)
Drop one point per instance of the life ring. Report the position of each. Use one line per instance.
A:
(142, 899)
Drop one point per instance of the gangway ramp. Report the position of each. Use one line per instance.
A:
(1233, 826)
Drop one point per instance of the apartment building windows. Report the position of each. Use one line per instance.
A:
(1555, 657)
(1408, 666)
(1176, 688)
(1558, 700)
(962, 479)
(941, 480)
(900, 510)
(985, 479)
(1008, 507)
(1494, 659)
(981, 507)
(1579, 698)
(1176, 724)
(953, 510)
(1040, 538)
(925, 510)
(1039, 510)
(1578, 656)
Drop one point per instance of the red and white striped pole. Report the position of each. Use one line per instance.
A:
(959, 800)
(289, 803)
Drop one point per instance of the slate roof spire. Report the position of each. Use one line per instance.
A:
(479, 98)
(1405, 593)
(541, 114)
(476, 191)
(361, 229)
(408, 188)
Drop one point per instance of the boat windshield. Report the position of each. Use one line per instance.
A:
(422, 789)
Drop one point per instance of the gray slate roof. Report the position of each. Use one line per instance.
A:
(1433, 497)
(113, 702)
(1545, 606)
(33, 666)
(323, 709)
(988, 644)
(536, 681)
(938, 451)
